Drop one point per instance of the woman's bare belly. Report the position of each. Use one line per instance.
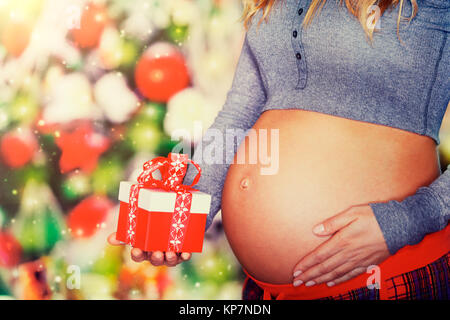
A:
(325, 165)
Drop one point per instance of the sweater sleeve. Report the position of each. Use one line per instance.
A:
(216, 150)
(406, 222)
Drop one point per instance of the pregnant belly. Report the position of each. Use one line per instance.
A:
(319, 165)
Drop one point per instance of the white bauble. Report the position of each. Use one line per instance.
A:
(189, 114)
(115, 98)
(139, 26)
(70, 99)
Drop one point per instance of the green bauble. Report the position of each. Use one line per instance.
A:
(107, 176)
(130, 54)
(76, 186)
(24, 108)
(39, 224)
(177, 33)
(152, 112)
(144, 136)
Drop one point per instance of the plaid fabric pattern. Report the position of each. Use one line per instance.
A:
(431, 282)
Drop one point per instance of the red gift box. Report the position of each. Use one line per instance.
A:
(163, 215)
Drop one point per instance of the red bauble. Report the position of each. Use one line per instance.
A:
(81, 149)
(93, 21)
(16, 36)
(88, 215)
(17, 148)
(10, 250)
(161, 72)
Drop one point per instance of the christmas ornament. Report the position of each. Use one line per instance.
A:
(10, 250)
(152, 112)
(88, 215)
(81, 149)
(130, 54)
(39, 224)
(18, 147)
(70, 99)
(115, 98)
(189, 114)
(76, 185)
(140, 26)
(16, 36)
(161, 72)
(144, 136)
(93, 21)
(178, 33)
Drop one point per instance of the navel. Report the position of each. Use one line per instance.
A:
(245, 183)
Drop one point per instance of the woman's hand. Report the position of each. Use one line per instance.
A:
(156, 258)
(356, 243)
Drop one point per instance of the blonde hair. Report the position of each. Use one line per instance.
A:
(359, 8)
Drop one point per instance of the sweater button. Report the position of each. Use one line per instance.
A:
(300, 11)
(294, 34)
(298, 55)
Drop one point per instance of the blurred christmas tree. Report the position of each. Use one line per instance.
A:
(89, 90)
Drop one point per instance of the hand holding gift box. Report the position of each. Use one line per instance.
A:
(163, 215)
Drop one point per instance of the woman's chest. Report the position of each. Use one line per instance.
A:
(334, 46)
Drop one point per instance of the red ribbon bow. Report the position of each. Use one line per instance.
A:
(173, 169)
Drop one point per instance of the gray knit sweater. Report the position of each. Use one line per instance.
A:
(330, 67)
